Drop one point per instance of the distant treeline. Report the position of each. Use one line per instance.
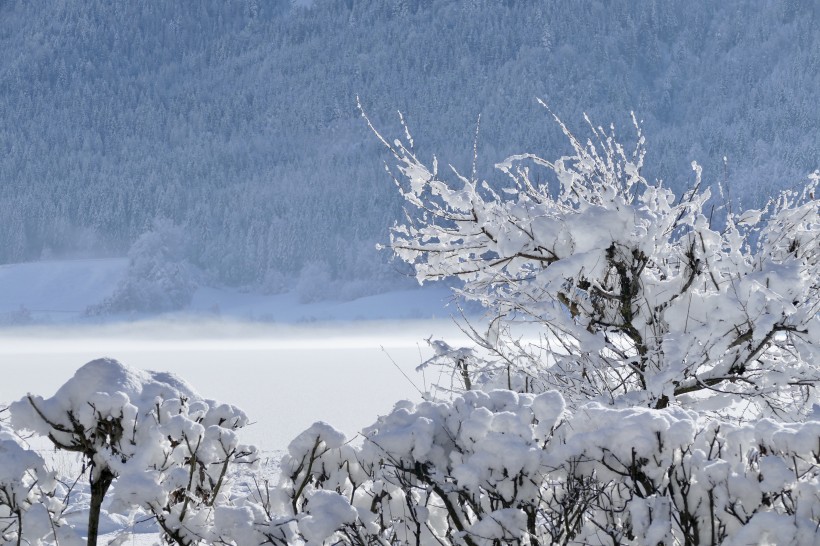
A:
(237, 121)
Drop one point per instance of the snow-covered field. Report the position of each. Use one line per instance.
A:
(57, 290)
(286, 363)
(284, 376)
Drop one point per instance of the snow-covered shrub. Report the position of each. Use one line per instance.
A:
(667, 476)
(168, 449)
(436, 473)
(29, 511)
(159, 276)
(641, 298)
(464, 469)
(500, 467)
(191, 471)
(307, 506)
(484, 468)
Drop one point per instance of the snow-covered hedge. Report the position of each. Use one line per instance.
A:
(485, 468)
(668, 398)
(501, 467)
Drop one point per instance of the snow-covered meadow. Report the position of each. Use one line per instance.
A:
(285, 376)
(287, 363)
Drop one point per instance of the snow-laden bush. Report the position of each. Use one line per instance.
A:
(484, 468)
(500, 467)
(641, 297)
(168, 449)
(30, 512)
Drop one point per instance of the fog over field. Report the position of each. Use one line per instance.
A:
(284, 376)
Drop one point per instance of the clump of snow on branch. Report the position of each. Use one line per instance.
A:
(30, 511)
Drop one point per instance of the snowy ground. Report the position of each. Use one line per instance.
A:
(56, 290)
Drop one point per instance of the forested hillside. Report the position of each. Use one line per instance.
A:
(237, 121)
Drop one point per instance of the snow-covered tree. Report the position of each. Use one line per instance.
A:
(159, 276)
(168, 450)
(639, 296)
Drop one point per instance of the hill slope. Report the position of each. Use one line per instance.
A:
(237, 120)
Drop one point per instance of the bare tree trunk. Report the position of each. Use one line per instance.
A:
(99, 487)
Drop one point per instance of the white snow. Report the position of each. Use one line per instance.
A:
(58, 289)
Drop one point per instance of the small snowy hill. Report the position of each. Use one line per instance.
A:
(61, 291)
(56, 290)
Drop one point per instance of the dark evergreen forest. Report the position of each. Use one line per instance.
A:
(237, 121)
